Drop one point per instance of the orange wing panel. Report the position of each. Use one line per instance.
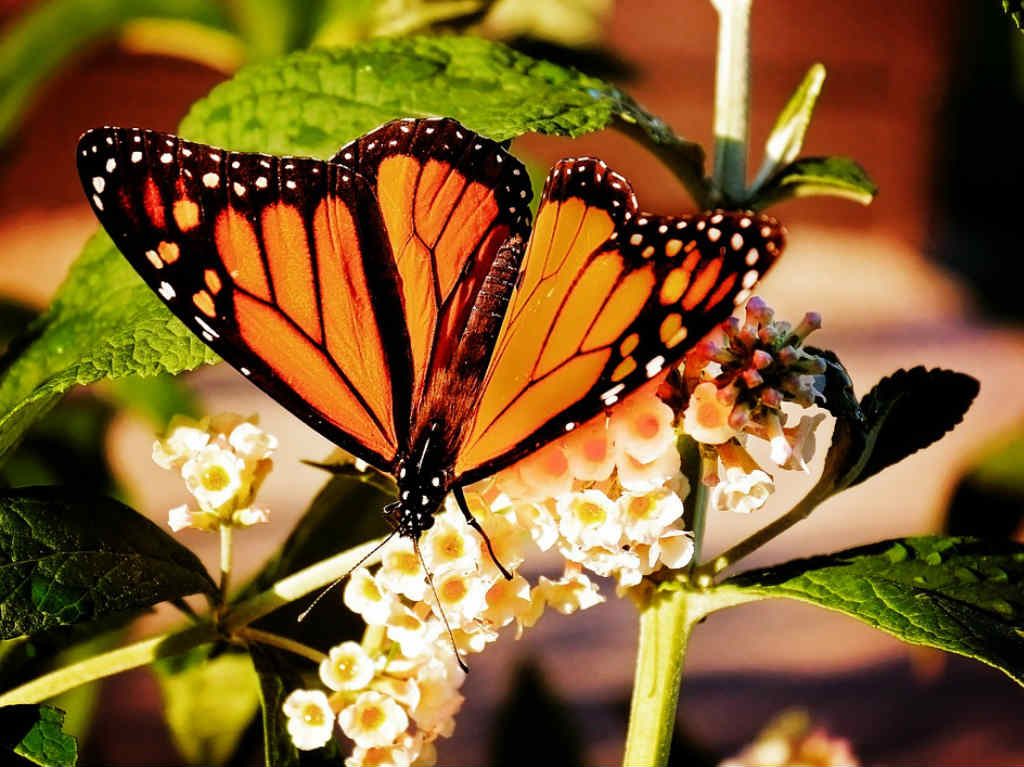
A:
(239, 250)
(291, 267)
(303, 368)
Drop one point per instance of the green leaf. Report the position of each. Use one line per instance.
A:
(67, 559)
(1015, 10)
(35, 734)
(280, 673)
(904, 413)
(817, 177)
(963, 595)
(840, 399)
(157, 398)
(103, 323)
(533, 707)
(787, 137)
(311, 102)
(40, 41)
(208, 702)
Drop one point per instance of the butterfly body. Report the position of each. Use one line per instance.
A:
(396, 299)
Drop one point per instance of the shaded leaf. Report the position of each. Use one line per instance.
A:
(533, 714)
(35, 734)
(103, 323)
(66, 560)
(279, 673)
(209, 701)
(817, 177)
(840, 399)
(989, 499)
(37, 43)
(963, 595)
(1015, 10)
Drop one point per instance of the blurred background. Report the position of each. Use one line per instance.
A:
(929, 98)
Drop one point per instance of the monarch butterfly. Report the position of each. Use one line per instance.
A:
(395, 298)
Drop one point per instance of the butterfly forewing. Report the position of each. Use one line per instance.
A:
(449, 198)
(280, 264)
(608, 298)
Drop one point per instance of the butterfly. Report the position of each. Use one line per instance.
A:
(396, 298)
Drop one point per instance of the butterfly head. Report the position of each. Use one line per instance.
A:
(420, 495)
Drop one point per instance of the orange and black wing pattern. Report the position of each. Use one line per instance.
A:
(449, 198)
(281, 264)
(607, 299)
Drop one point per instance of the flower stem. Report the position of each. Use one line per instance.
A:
(759, 538)
(284, 643)
(109, 663)
(297, 585)
(665, 624)
(226, 548)
(732, 97)
(708, 464)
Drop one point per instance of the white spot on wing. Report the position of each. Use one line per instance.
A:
(166, 157)
(654, 366)
(111, 164)
(166, 291)
(136, 157)
(98, 183)
(206, 327)
(211, 180)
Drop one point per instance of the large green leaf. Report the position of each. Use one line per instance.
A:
(963, 595)
(67, 559)
(35, 735)
(311, 102)
(208, 702)
(43, 39)
(817, 177)
(103, 323)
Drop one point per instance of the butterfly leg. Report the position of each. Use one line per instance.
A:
(460, 498)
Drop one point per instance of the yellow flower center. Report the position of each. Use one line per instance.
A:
(313, 715)
(404, 562)
(215, 478)
(450, 546)
(454, 590)
(555, 463)
(641, 507)
(710, 414)
(595, 449)
(646, 426)
(371, 717)
(370, 590)
(589, 513)
(345, 666)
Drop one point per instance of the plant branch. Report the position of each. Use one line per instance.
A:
(109, 663)
(276, 640)
(681, 164)
(226, 548)
(756, 540)
(732, 97)
(298, 585)
(708, 463)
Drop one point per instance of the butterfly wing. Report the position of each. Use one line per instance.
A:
(607, 299)
(280, 264)
(449, 198)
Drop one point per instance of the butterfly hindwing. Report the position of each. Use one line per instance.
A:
(280, 264)
(608, 298)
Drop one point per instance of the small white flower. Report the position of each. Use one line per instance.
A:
(590, 451)
(546, 473)
(185, 437)
(310, 719)
(450, 544)
(363, 595)
(214, 476)
(415, 634)
(251, 515)
(406, 752)
(675, 549)
(401, 571)
(647, 515)
(741, 491)
(802, 442)
(589, 519)
(461, 596)
(179, 518)
(373, 720)
(573, 591)
(537, 518)
(706, 417)
(347, 667)
(440, 699)
(251, 442)
(642, 427)
(507, 601)
(643, 477)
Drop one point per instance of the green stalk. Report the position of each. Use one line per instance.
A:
(284, 643)
(109, 663)
(732, 96)
(665, 624)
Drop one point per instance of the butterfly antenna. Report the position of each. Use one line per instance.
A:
(433, 589)
(340, 578)
(460, 497)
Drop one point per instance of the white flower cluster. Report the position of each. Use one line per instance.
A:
(791, 739)
(737, 383)
(223, 460)
(608, 497)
